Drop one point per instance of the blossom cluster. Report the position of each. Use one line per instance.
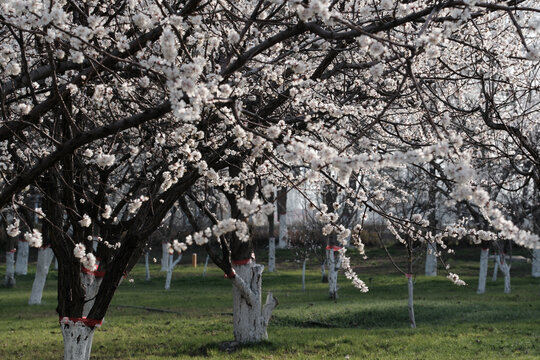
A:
(88, 260)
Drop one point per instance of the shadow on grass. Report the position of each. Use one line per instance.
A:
(397, 316)
(228, 347)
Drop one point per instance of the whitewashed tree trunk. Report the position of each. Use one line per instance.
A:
(170, 269)
(205, 265)
(304, 275)
(77, 340)
(147, 265)
(536, 263)
(55, 263)
(283, 232)
(410, 286)
(91, 285)
(333, 269)
(482, 275)
(331, 281)
(272, 254)
(431, 260)
(9, 281)
(45, 256)
(21, 266)
(507, 288)
(495, 270)
(78, 336)
(164, 256)
(505, 269)
(250, 318)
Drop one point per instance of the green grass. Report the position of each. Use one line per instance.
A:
(453, 322)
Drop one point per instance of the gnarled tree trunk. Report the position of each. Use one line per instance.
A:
(78, 333)
(77, 339)
(45, 256)
(250, 318)
(91, 285)
(484, 257)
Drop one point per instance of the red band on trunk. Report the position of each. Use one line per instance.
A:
(98, 274)
(485, 249)
(23, 240)
(87, 271)
(12, 251)
(87, 322)
(333, 247)
(241, 262)
(408, 276)
(95, 272)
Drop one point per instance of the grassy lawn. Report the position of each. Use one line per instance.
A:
(453, 322)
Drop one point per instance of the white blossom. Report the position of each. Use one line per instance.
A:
(105, 160)
(34, 238)
(85, 221)
(233, 37)
(89, 261)
(107, 213)
(179, 246)
(13, 69)
(168, 44)
(455, 279)
(142, 21)
(13, 228)
(135, 204)
(79, 251)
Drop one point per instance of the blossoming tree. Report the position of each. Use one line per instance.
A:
(125, 107)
